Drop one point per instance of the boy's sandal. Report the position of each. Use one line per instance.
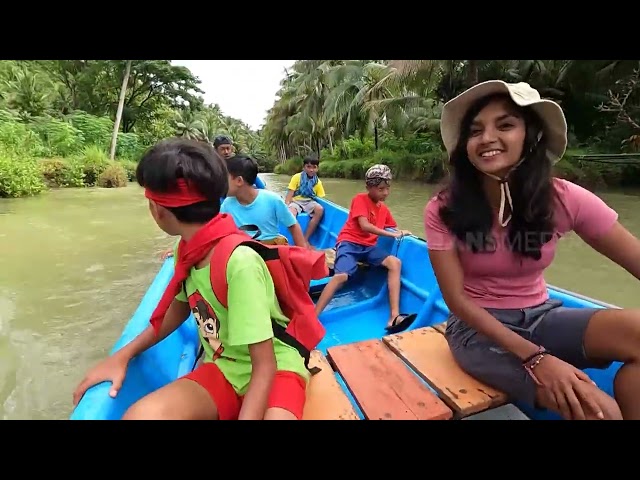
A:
(404, 323)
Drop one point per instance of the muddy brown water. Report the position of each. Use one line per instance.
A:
(76, 262)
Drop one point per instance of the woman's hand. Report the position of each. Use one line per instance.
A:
(570, 387)
(113, 369)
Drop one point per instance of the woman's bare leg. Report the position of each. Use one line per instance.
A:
(614, 334)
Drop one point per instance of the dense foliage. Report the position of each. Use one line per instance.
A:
(57, 116)
(353, 113)
(57, 120)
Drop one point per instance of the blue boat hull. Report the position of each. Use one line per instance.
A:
(359, 311)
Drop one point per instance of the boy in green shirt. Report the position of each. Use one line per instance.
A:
(247, 373)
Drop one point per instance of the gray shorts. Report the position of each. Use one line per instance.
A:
(559, 329)
(304, 206)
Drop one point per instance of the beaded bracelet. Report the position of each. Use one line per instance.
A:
(532, 362)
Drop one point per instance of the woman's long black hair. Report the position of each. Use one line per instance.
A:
(467, 212)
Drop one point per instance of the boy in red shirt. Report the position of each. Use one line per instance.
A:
(368, 218)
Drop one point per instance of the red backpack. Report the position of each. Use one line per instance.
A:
(292, 268)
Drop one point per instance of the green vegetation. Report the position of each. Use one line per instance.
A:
(57, 117)
(354, 113)
(57, 121)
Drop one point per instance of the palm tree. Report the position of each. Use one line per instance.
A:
(116, 125)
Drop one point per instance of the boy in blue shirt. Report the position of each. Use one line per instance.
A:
(263, 208)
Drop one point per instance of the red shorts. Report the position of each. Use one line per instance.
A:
(288, 391)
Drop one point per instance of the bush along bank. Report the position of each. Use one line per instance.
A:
(22, 175)
(54, 153)
(423, 159)
(416, 158)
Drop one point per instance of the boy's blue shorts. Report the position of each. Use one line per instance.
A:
(348, 255)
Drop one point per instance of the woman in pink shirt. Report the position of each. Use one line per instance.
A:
(493, 230)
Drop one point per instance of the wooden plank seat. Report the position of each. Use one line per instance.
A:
(440, 327)
(383, 386)
(325, 398)
(427, 352)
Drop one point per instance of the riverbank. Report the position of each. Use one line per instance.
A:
(24, 175)
(429, 168)
(47, 152)
(57, 120)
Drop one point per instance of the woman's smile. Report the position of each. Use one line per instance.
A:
(491, 155)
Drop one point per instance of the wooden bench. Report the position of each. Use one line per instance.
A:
(427, 352)
(441, 327)
(383, 386)
(325, 398)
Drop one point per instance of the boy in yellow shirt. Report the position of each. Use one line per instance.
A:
(304, 188)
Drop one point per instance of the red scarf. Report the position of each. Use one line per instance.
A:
(192, 252)
(189, 254)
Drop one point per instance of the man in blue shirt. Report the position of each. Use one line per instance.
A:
(251, 207)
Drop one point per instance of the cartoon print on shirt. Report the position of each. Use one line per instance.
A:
(208, 323)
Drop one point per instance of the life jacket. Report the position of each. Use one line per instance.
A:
(292, 268)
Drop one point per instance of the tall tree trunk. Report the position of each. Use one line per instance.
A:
(375, 133)
(116, 125)
(472, 73)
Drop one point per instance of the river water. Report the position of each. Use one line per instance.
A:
(76, 262)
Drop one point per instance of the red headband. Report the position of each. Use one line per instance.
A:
(182, 196)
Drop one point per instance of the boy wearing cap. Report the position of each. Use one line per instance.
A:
(368, 218)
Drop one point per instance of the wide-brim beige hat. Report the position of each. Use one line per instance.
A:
(522, 94)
